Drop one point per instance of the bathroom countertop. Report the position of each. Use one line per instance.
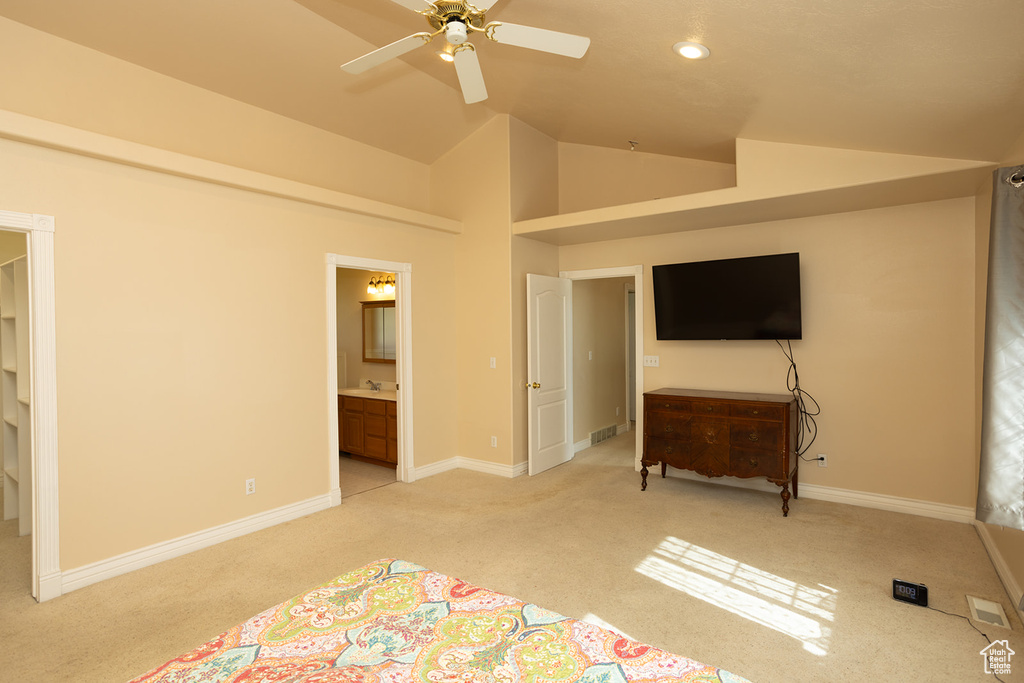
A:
(370, 393)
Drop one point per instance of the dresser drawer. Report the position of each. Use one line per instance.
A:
(754, 434)
(710, 408)
(758, 411)
(674, 405)
(675, 453)
(751, 462)
(668, 425)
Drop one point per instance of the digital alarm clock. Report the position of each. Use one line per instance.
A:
(907, 591)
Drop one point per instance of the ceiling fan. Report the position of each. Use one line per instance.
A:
(457, 20)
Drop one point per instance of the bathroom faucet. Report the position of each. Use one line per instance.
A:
(374, 386)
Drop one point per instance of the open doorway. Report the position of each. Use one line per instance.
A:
(370, 382)
(607, 373)
(367, 380)
(16, 494)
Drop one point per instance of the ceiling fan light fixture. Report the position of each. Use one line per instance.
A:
(691, 50)
(456, 32)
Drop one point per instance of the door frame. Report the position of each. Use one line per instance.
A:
(39, 231)
(637, 272)
(403, 369)
(630, 391)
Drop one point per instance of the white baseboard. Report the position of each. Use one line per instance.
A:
(461, 463)
(621, 429)
(50, 587)
(582, 445)
(137, 559)
(1013, 589)
(877, 501)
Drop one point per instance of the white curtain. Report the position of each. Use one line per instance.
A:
(1001, 479)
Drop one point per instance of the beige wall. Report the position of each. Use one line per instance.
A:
(534, 192)
(596, 177)
(888, 348)
(56, 80)
(1015, 154)
(351, 291)
(471, 183)
(599, 355)
(192, 347)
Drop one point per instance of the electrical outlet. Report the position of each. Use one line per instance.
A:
(822, 460)
(250, 487)
(590, 355)
(651, 361)
(494, 362)
(494, 442)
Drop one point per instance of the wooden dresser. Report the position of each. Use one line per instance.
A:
(719, 434)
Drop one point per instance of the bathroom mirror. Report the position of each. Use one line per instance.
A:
(378, 331)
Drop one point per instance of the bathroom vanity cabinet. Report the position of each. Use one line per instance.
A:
(368, 429)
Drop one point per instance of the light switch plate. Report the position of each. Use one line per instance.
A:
(651, 361)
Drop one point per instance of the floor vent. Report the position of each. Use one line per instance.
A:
(987, 611)
(602, 435)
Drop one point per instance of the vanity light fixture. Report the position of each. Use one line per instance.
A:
(381, 285)
(691, 50)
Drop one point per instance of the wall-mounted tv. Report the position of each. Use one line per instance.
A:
(757, 297)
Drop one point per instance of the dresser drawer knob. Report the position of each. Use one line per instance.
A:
(668, 450)
(755, 411)
(711, 409)
(668, 428)
(753, 462)
(752, 436)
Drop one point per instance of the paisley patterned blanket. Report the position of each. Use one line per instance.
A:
(393, 621)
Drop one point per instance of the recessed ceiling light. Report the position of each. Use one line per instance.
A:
(691, 50)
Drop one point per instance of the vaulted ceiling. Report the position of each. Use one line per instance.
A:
(929, 77)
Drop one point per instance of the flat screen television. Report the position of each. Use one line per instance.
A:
(757, 297)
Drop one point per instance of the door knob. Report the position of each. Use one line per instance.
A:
(535, 385)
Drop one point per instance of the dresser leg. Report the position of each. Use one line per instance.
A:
(785, 500)
(664, 465)
(796, 479)
(643, 474)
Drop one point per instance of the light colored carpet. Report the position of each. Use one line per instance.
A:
(359, 477)
(707, 571)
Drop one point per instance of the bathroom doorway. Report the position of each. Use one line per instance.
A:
(369, 330)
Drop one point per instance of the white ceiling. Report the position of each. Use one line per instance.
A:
(930, 77)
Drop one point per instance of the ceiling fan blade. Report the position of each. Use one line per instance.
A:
(539, 39)
(414, 5)
(483, 4)
(471, 78)
(383, 54)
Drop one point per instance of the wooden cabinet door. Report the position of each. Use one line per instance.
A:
(353, 432)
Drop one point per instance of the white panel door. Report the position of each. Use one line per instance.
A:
(549, 364)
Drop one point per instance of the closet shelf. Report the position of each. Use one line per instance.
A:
(12, 472)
